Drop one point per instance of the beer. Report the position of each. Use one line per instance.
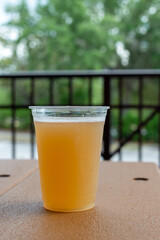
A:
(69, 156)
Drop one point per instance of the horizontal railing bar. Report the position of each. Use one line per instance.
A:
(84, 73)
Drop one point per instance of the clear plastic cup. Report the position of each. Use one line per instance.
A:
(69, 143)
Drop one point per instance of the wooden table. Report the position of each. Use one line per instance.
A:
(125, 208)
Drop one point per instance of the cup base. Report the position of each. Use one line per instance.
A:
(92, 205)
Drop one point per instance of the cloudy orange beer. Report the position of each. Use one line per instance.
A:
(69, 155)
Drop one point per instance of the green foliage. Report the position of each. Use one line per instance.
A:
(63, 35)
(5, 118)
(130, 123)
(5, 92)
(83, 35)
(41, 92)
(23, 119)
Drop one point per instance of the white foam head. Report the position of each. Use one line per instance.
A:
(68, 119)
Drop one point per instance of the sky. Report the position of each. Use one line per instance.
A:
(3, 3)
(4, 17)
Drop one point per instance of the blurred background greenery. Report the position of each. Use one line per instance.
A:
(86, 34)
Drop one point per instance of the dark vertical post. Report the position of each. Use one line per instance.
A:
(31, 125)
(90, 91)
(70, 86)
(159, 119)
(120, 125)
(106, 136)
(13, 117)
(140, 119)
(51, 95)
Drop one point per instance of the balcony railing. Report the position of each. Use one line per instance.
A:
(107, 77)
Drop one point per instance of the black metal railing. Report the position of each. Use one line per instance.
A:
(107, 77)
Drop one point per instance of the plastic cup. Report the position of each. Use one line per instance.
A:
(69, 143)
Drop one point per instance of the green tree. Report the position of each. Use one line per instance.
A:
(63, 35)
(84, 35)
(141, 27)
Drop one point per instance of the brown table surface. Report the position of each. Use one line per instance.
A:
(125, 208)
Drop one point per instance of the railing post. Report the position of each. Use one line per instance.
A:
(13, 97)
(70, 86)
(140, 119)
(31, 125)
(106, 136)
(159, 122)
(51, 87)
(120, 124)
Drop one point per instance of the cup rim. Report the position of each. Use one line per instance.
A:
(70, 108)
